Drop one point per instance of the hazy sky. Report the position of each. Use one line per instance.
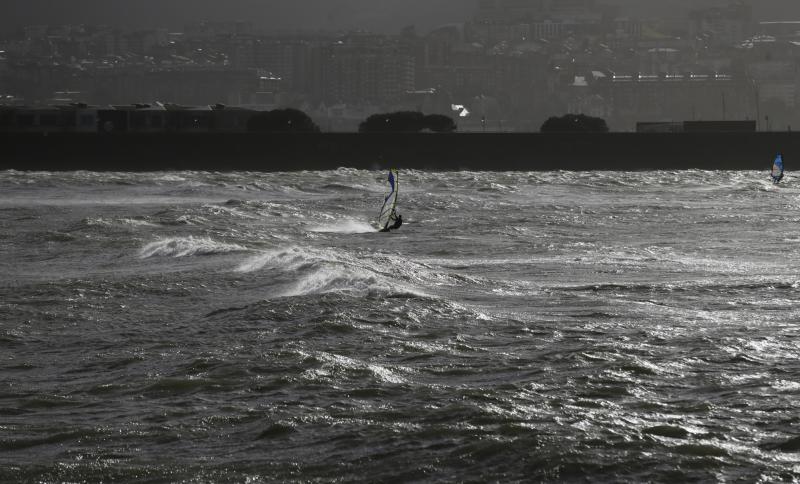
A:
(376, 15)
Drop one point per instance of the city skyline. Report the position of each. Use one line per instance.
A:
(386, 16)
(510, 66)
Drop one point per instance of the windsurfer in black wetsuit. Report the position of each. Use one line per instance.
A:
(398, 221)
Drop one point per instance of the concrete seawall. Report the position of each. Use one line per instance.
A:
(457, 151)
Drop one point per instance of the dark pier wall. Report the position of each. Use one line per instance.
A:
(461, 151)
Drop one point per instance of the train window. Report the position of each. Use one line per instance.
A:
(25, 120)
(138, 120)
(48, 120)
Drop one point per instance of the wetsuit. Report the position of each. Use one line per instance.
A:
(398, 221)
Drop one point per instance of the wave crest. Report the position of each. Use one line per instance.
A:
(304, 270)
(187, 246)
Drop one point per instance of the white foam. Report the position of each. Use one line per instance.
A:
(96, 221)
(170, 178)
(332, 278)
(228, 211)
(187, 246)
(288, 259)
(136, 222)
(786, 386)
(342, 362)
(320, 271)
(347, 226)
(191, 220)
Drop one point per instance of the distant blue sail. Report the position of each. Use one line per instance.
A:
(777, 169)
(391, 184)
(390, 201)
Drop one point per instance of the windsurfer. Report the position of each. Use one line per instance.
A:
(777, 169)
(389, 219)
(398, 221)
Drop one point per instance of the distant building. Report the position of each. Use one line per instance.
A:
(212, 29)
(532, 10)
(659, 127)
(133, 118)
(286, 58)
(676, 96)
(546, 29)
(195, 85)
(789, 29)
(367, 69)
(506, 10)
(722, 25)
(697, 127)
(774, 67)
(71, 118)
(628, 27)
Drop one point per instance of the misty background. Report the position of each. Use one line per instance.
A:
(384, 16)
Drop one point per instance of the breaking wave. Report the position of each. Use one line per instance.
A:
(187, 246)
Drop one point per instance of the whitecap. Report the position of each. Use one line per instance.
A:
(288, 259)
(344, 227)
(308, 271)
(187, 246)
(136, 222)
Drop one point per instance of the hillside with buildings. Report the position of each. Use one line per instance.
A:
(385, 16)
(501, 65)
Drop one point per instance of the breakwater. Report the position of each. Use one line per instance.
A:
(456, 151)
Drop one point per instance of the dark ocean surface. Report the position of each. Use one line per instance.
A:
(250, 327)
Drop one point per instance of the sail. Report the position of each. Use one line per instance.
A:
(777, 169)
(390, 200)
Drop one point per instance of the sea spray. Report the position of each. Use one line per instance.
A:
(187, 246)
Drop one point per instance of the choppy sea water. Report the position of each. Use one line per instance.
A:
(206, 327)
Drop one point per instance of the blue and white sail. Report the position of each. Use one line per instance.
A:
(777, 169)
(390, 200)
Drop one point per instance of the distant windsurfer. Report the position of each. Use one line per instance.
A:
(398, 221)
(389, 219)
(777, 169)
